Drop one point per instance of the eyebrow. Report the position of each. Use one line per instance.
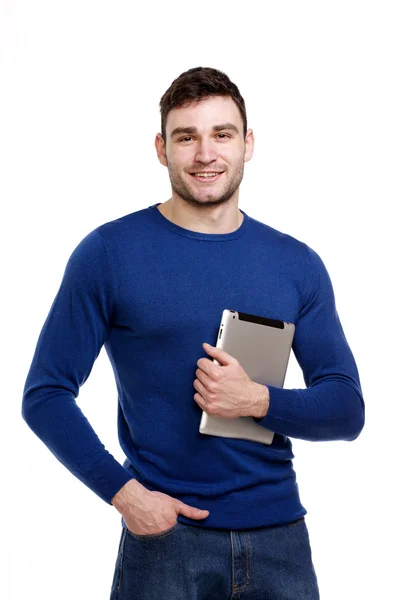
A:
(190, 130)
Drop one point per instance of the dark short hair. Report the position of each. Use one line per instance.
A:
(198, 84)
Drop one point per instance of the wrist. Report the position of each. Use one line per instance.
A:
(262, 402)
(122, 499)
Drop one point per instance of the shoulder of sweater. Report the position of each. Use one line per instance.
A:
(283, 239)
(123, 223)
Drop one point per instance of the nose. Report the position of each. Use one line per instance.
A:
(205, 152)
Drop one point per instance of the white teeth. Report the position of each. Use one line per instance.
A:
(205, 174)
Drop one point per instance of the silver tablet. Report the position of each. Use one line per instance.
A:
(262, 347)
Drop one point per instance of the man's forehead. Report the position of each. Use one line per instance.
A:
(205, 114)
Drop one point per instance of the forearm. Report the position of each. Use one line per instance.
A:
(57, 420)
(330, 410)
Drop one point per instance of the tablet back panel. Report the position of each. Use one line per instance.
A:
(262, 346)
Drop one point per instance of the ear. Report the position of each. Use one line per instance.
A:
(249, 145)
(161, 150)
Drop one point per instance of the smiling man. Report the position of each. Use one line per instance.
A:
(205, 160)
(202, 516)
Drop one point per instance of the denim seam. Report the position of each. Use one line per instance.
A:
(122, 556)
(248, 571)
(247, 547)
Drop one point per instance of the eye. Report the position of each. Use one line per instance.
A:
(185, 138)
(224, 135)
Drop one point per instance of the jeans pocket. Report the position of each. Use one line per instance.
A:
(155, 536)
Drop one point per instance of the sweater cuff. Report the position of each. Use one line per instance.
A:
(278, 401)
(108, 478)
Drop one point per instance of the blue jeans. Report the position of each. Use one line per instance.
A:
(187, 562)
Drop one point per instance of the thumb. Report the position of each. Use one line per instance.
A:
(191, 512)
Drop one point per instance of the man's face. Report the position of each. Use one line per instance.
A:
(205, 150)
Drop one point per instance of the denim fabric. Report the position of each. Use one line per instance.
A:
(192, 563)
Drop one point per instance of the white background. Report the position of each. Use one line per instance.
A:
(80, 87)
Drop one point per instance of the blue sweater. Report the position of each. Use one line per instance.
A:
(152, 292)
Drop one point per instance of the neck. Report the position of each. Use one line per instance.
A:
(219, 219)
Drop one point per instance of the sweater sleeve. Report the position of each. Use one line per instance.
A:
(71, 338)
(332, 406)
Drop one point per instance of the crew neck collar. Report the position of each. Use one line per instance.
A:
(210, 237)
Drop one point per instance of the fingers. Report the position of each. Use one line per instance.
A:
(191, 512)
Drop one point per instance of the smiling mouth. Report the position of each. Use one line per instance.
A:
(207, 176)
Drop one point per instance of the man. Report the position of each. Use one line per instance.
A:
(203, 516)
